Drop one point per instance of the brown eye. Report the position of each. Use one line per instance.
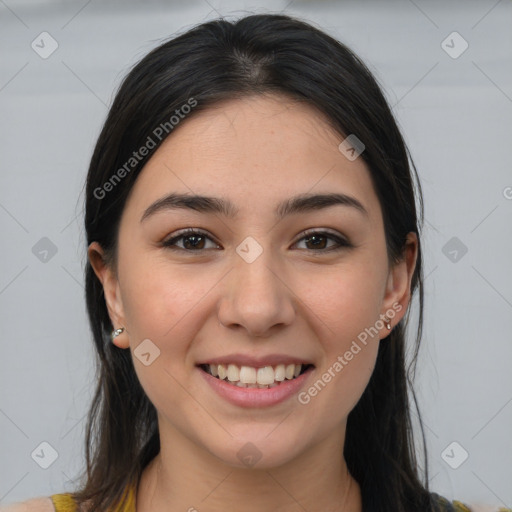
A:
(318, 240)
(193, 241)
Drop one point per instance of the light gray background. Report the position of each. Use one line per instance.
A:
(456, 116)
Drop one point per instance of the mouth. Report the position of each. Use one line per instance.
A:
(265, 377)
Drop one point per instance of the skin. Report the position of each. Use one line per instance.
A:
(293, 299)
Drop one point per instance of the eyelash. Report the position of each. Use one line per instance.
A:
(341, 242)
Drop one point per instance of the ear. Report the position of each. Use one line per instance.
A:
(111, 290)
(398, 287)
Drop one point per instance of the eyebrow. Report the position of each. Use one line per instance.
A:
(301, 203)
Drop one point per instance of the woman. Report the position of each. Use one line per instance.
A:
(253, 249)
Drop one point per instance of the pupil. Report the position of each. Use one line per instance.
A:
(193, 237)
(316, 237)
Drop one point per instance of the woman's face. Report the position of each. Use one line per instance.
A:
(252, 289)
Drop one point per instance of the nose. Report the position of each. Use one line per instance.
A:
(256, 297)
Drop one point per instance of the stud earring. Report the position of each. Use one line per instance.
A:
(117, 332)
(387, 322)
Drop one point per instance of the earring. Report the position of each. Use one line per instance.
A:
(117, 332)
(387, 322)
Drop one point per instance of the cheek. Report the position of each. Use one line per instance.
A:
(162, 303)
(346, 303)
(158, 297)
(158, 303)
(350, 348)
(347, 299)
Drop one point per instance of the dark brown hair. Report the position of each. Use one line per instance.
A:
(221, 60)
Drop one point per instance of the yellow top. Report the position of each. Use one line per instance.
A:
(66, 503)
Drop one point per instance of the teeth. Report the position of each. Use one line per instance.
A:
(247, 376)
(233, 373)
(279, 373)
(265, 375)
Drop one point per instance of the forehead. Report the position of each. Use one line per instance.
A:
(257, 151)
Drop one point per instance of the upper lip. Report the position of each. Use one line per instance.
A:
(255, 362)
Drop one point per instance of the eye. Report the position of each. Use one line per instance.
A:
(319, 239)
(194, 240)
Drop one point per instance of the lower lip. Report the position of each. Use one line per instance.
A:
(256, 397)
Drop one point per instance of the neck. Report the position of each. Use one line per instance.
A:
(185, 477)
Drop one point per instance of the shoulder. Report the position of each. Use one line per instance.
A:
(31, 505)
(473, 507)
(445, 505)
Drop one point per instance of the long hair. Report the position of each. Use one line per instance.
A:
(221, 60)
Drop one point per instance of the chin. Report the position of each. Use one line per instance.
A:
(260, 451)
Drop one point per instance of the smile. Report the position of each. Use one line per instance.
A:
(251, 377)
(261, 385)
